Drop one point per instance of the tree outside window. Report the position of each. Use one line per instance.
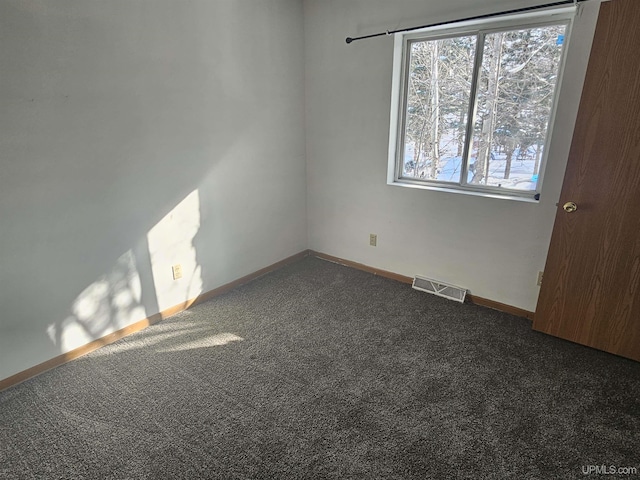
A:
(476, 107)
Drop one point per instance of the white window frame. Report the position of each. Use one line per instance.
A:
(558, 16)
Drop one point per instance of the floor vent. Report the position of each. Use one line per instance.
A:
(438, 288)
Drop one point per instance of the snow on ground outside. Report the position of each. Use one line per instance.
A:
(520, 178)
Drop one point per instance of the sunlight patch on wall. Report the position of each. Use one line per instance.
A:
(115, 300)
(171, 243)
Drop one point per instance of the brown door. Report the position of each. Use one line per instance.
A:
(591, 288)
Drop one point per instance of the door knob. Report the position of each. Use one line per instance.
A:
(570, 207)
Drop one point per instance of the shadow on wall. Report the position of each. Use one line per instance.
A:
(140, 283)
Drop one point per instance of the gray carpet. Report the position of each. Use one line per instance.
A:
(320, 371)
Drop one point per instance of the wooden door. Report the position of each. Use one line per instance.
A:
(591, 288)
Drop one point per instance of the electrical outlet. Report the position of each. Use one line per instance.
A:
(539, 278)
(373, 239)
(177, 271)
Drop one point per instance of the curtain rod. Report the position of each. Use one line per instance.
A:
(477, 17)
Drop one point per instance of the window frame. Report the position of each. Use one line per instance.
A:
(401, 57)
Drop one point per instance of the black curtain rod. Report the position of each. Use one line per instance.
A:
(477, 17)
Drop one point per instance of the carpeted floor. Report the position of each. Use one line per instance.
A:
(318, 371)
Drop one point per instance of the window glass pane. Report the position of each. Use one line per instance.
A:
(438, 89)
(514, 99)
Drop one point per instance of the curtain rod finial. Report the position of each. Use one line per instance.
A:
(349, 40)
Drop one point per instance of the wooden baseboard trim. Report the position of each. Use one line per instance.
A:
(248, 278)
(484, 302)
(503, 307)
(142, 324)
(79, 352)
(363, 267)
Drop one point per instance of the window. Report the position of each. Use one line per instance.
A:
(472, 106)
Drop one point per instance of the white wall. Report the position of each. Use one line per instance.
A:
(136, 134)
(492, 247)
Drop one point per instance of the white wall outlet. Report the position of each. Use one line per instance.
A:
(373, 239)
(177, 271)
(539, 278)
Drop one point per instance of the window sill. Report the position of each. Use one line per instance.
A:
(527, 197)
